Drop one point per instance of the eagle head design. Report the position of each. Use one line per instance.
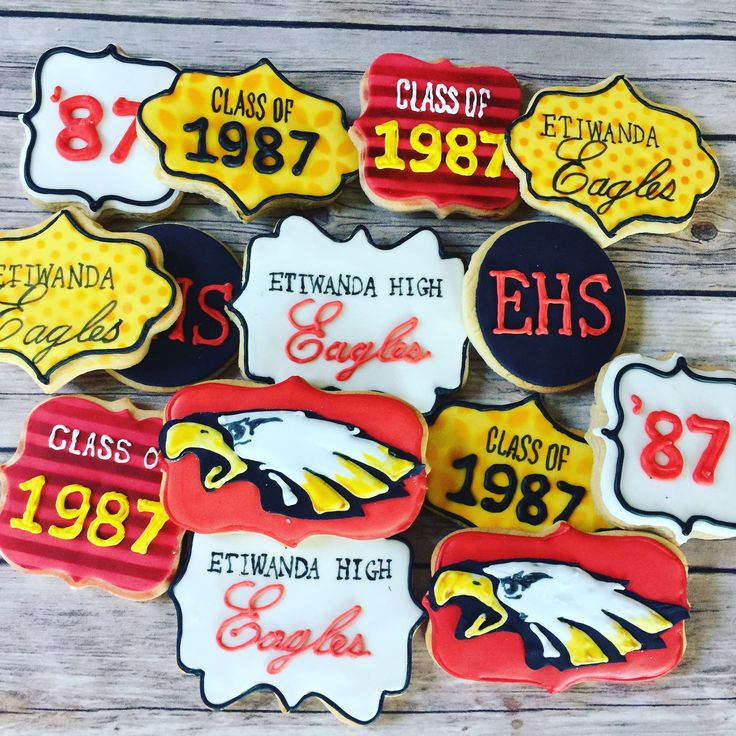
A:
(304, 465)
(566, 616)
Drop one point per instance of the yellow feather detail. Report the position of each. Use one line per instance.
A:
(325, 499)
(359, 481)
(583, 650)
(652, 622)
(394, 467)
(622, 639)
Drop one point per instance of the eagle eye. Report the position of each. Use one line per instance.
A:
(476, 582)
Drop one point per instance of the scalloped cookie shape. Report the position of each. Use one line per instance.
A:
(75, 297)
(249, 141)
(611, 161)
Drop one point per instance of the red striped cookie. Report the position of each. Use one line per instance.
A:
(430, 136)
(81, 498)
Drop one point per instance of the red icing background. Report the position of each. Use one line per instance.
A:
(78, 559)
(236, 506)
(654, 571)
(442, 187)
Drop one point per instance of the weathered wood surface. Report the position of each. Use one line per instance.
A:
(85, 661)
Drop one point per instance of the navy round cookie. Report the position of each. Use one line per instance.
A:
(544, 306)
(203, 341)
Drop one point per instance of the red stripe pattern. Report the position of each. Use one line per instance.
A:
(73, 440)
(409, 91)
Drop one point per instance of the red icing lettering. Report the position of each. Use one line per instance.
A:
(636, 404)
(545, 301)
(245, 629)
(227, 294)
(177, 331)
(56, 94)
(503, 299)
(585, 328)
(719, 431)
(301, 348)
(662, 443)
(124, 108)
(79, 128)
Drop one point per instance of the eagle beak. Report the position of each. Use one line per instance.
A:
(453, 583)
(183, 437)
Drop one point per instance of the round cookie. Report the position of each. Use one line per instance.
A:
(202, 342)
(81, 145)
(544, 306)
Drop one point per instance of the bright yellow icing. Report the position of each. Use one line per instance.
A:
(460, 431)
(332, 157)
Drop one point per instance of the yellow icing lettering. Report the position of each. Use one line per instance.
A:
(76, 515)
(26, 523)
(103, 516)
(154, 526)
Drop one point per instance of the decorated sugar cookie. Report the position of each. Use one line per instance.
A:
(203, 341)
(557, 609)
(509, 467)
(663, 437)
(290, 460)
(250, 141)
(544, 306)
(351, 314)
(430, 136)
(76, 297)
(81, 498)
(610, 160)
(332, 618)
(81, 144)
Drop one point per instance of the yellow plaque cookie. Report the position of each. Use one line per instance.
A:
(75, 297)
(249, 141)
(610, 160)
(509, 467)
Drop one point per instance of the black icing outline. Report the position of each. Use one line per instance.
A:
(587, 92)
(535, 398)
(45, 378)
(95, 205)
(288, 197)
(240, 320)
(611, 434)
(186, 551)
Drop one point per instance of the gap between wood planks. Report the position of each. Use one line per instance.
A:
(348, 25)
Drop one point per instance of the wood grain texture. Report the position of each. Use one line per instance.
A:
(84, 661)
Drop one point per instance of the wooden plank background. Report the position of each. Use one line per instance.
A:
(85, 661)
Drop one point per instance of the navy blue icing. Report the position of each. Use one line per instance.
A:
(190, 253)
(553, 360)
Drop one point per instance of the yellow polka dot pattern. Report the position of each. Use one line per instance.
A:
(242, 188)
(553, 119)
(460, 431)
(56, 323)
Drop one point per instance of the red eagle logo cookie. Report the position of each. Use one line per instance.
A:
(290, 461)
(81, 498)
(430, 136)
(558, 609)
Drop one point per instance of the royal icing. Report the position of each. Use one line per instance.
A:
(249, 140)
(289, 460)
(351, 314)
(430, 136)
(81, 145)
(81, 498)
(509, 467)
(557, 609)
(309, 621)
(203, 341)
(76, 297)
(539, 293)
(610, 160)
(667, 445)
